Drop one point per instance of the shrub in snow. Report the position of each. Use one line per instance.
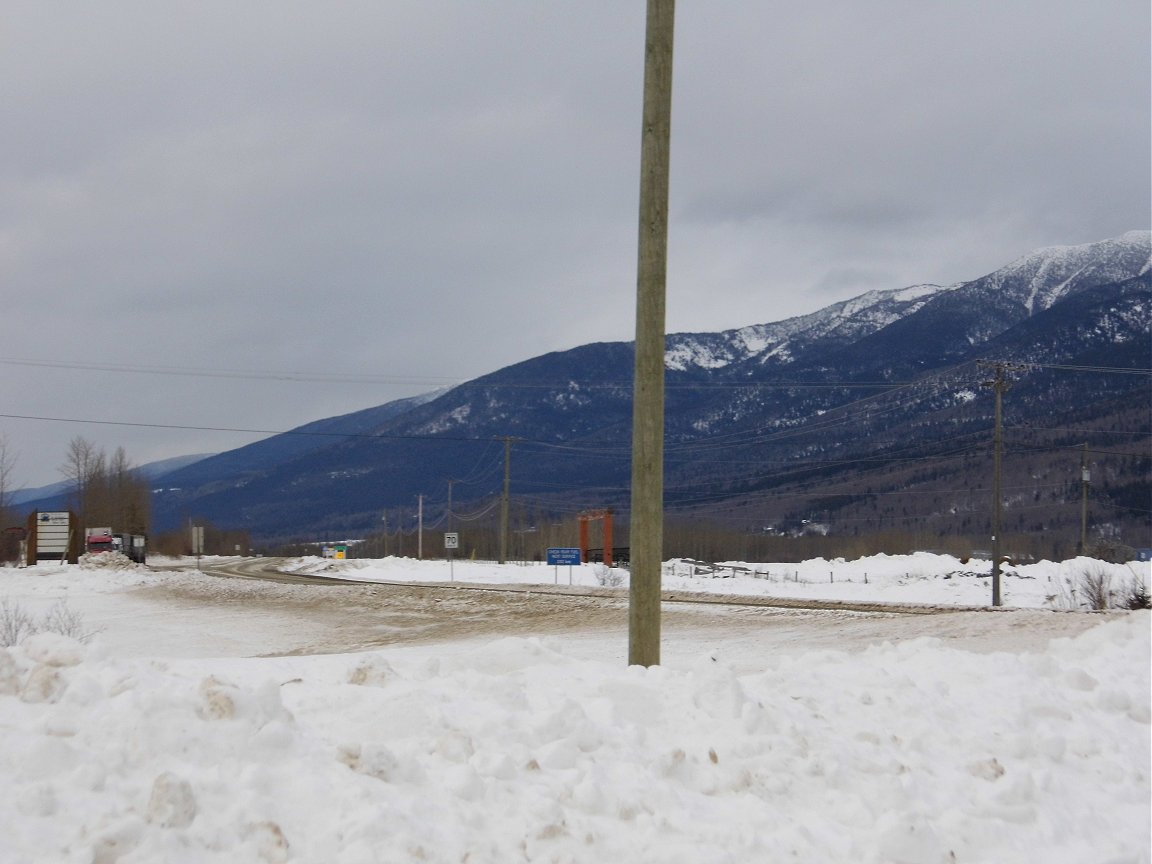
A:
(1137, 595)
(17, 624)
(64, 621)
(1096, 587)
(607, 576)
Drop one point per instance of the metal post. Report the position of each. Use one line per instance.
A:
(419, 527)
(647, 519)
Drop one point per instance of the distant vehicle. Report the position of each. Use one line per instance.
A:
(132, 546)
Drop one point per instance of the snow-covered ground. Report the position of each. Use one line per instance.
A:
(919, 578)
(165, 739)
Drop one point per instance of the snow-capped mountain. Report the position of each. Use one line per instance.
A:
(1028, 285)
(817, 396)
(849, 319)
(1046, 276)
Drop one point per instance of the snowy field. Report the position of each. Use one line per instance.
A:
(165, 738)
(919, 578)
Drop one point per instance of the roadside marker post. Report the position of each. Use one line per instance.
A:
(563, 556)
(451, 543)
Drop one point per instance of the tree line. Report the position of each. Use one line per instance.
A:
(106, 491)
(9, 540)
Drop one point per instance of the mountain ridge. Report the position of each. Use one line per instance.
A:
(761, 380)
(752, 408)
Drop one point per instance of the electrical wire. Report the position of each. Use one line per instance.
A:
(249, 374)
(895, 397)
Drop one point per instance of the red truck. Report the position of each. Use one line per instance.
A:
(133, 546)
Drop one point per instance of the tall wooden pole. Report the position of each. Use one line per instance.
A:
(1085, 478)
(997, 494)
(999, 385)
(647, 521)
(504, 499)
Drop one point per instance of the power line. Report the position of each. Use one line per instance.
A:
(453, 381)
(250, 374)
(479, 514)
(1109, 370)
(179, 426)
(429, 380)
(1069, 431)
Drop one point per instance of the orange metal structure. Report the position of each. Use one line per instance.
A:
(593, 516)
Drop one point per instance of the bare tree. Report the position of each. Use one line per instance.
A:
(78, 468)
(9, 543)
(6, 466)
(106, 492)
(129, 495)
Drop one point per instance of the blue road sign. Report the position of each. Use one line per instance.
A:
(570, 557)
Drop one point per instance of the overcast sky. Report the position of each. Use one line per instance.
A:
(260, 213)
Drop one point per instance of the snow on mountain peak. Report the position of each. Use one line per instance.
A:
(852, 318)
(1041, 277)
(1050, 272)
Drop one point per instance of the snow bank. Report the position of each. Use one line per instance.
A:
(108, 561)
(918, 578)
(516, 751)
(531, 750)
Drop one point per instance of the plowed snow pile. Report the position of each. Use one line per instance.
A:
(519, 749)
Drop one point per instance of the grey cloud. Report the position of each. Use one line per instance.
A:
(437, 189)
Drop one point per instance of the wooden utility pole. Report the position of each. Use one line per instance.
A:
(647, 519)
(504, 500)
(999, 385)
(419, 527)
(997, 492)
(1085, 479)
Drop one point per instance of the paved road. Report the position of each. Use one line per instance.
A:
(269, 570)
(335, 615)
